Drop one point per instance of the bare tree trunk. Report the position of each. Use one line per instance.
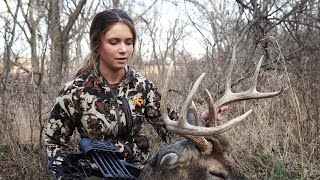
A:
(33, 44)
(56, 43)
(115, 4)
(60, 40)
(79, 30)
(78, 51)
(32, 25)
(5, 81)
(9, 37)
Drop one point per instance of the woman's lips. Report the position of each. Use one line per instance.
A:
(121, 60)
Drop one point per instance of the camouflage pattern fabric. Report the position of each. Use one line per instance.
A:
(90, 105)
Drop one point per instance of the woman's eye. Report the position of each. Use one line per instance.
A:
(129, 42)
(113, 41)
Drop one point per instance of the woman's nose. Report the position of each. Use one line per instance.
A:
(122, 48)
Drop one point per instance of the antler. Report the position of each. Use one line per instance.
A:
(189, 131)
(183, 127)
(230, 97)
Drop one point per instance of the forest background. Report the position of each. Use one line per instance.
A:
(43, 42)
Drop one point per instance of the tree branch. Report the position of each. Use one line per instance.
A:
(73, 18)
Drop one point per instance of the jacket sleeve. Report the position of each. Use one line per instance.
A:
(152, 112)
(61, 123)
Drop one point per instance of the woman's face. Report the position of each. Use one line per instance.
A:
(117, 47)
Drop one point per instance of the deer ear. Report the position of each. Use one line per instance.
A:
(169, 160)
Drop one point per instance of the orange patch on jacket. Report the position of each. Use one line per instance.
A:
(138, 102)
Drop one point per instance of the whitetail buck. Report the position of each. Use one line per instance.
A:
(205, 153)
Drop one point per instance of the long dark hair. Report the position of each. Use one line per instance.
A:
(101, 23)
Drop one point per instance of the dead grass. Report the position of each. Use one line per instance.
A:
(17, 163)
(278, 141)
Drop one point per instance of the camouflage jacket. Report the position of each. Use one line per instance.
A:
(95, 108)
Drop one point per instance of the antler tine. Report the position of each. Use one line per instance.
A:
(212, 112)
(186, 105)
(165, 92)
(195, 114)
(256, 74)
(233, 61)
(252, 93)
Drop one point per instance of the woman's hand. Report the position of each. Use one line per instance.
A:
(205, 115)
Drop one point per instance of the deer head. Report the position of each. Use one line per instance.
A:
(183, 160)
(205, 154)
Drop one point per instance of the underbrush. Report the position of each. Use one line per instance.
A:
(280, 140)
(16, 163)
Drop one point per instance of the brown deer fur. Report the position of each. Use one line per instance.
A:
(182, 160)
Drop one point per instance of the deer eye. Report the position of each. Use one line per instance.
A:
(216, 175)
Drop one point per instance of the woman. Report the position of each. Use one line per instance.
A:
(107, 99)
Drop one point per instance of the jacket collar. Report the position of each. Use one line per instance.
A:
(129, 76)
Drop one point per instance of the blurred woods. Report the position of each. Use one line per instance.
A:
(43, 42)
